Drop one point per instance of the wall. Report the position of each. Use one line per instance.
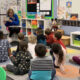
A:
(74, 9)
(69, 29)
(55, 8)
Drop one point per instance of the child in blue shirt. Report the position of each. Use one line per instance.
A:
(40, 36)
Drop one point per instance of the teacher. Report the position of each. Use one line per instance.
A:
(12, 20)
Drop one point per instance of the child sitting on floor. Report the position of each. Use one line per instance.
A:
(75, 59)
(40, 36)
(58, 36)
(5, 50)
(20, 38)
(59, 54)
(21, 63)
(54, 24)
(49, 37)
(41, 66)
(31, 45)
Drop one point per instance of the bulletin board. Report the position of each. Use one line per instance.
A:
(45, 5)
(40, 9)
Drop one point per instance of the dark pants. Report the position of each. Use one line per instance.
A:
(14, 53)
(12, 69)
(15, 70)
(13, 30)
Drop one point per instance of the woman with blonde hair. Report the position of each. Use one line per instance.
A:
(12, 20)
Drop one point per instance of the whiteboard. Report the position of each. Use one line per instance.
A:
(45, 5)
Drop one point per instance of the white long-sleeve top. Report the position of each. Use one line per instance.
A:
(63, 62)
(31, 49)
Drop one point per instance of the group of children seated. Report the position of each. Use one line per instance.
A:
(30, 57)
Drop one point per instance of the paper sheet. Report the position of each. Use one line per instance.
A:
(45, 4)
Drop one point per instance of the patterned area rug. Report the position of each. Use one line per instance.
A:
(71, 69)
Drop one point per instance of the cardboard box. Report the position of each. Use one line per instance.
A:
(66, 40)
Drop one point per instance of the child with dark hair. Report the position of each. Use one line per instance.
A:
(59, 54)
(54, 24)
(40, 36)
(5, 50)
(42, 66)
(20, 38)
(40, 50)
(21, 63)
(58, 36)
(49, 37)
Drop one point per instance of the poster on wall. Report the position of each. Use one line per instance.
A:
(24, 9)
(61, 12)
(62, 9)
(40, 9)
(45, 5)
(19, 9)
(3, 7)
(69, 4)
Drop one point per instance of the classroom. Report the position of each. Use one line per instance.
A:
(39, 40)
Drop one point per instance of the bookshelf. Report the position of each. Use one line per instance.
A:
(75, 39)
(29, 26)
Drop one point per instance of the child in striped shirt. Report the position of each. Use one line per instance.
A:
(42, 66)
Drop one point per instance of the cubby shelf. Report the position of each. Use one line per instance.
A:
(29, 26)
(74, 42)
